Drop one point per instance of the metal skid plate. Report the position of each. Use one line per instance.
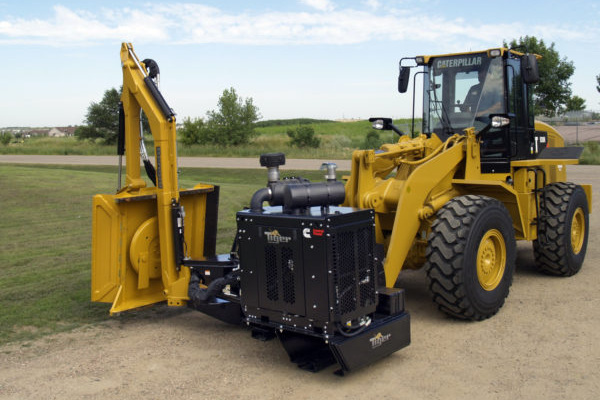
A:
(386, 335)
(382, 338)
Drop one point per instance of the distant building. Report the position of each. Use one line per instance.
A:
(38, 132)
(62, 131)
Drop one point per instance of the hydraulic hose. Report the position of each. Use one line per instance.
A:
(202, 296)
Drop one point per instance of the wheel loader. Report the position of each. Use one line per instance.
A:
(316, 264)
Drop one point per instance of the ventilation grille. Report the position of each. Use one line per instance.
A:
(280, 265)
(353, 270)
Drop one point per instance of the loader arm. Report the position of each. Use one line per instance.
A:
(412, 206)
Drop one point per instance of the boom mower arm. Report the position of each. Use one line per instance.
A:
(140, 92)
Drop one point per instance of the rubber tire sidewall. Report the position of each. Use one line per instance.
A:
(577, 200)
(548, 259)
(452, 250)
(492, 217)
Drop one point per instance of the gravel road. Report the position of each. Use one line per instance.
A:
(189, 162)
(543, 344)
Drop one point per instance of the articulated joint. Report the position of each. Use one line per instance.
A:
(426, 212)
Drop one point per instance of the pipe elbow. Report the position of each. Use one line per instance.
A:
(259, 198)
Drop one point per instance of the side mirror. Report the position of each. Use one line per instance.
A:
(498, 121)
(493, 121)
(529, 68)
(403, 79)
(384, 124)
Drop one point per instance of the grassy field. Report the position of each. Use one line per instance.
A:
(338, 139)
(45, 240)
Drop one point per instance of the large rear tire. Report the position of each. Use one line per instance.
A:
(563, 234)
(471, 255)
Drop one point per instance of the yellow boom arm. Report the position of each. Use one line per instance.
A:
(134, 260)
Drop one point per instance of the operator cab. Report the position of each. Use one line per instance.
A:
(486, 90)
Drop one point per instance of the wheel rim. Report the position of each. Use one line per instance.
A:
(577, 231)
(491, 259)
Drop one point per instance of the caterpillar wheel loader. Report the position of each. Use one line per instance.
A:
(317, 267)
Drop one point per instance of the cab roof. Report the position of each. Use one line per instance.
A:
(496, 52)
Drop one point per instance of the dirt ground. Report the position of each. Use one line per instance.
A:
(543, 344)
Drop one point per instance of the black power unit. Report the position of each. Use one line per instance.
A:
(308, 273)
(311, 273)
(311, 279)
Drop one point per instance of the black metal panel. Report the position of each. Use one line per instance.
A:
(380, 339)
(280, 269)
(307, 272)
(211, 221)
(560, 153)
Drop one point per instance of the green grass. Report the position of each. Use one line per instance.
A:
(338, 140)
(591, 153)
(45, 241)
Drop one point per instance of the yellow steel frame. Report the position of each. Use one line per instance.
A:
(133, 254)
(411, 180)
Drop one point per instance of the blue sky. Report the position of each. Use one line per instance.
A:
(301, 58)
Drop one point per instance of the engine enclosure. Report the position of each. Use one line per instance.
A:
(309, 272)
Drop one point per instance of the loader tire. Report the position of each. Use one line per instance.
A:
(471, 255)
(564, 228)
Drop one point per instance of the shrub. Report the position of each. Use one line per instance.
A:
(372, 140)
(191, 131)
(5, 138)
(303, 136)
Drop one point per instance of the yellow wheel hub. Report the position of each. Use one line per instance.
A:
(577, 231)
(491, 259)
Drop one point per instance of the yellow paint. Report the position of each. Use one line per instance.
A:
(491, 259)
(409, 181)
(133, 255)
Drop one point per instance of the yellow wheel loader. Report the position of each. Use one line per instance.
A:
(318, 266)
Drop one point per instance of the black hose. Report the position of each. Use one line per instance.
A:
(350, 333)
(150, 171)
(203, 296)
(151, 67)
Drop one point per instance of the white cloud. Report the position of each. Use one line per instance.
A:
(196, 23)
(67, 26)
(372, 4)
(321, 5)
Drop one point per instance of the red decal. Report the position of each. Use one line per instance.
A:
(318, 232)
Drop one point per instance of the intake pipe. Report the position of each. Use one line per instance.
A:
(262, 195)
(296, 195)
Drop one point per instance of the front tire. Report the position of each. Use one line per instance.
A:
(471, 255)
(562, 238)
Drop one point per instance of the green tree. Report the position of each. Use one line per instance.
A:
(5, 138)
(598, 85)
(575, 103)
(553, 90)
(234, 121)
(303, 136)
(372, 140)
(191, 131)
(102, 119)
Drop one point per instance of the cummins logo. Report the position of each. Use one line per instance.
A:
(274, 237)
(379, 339)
